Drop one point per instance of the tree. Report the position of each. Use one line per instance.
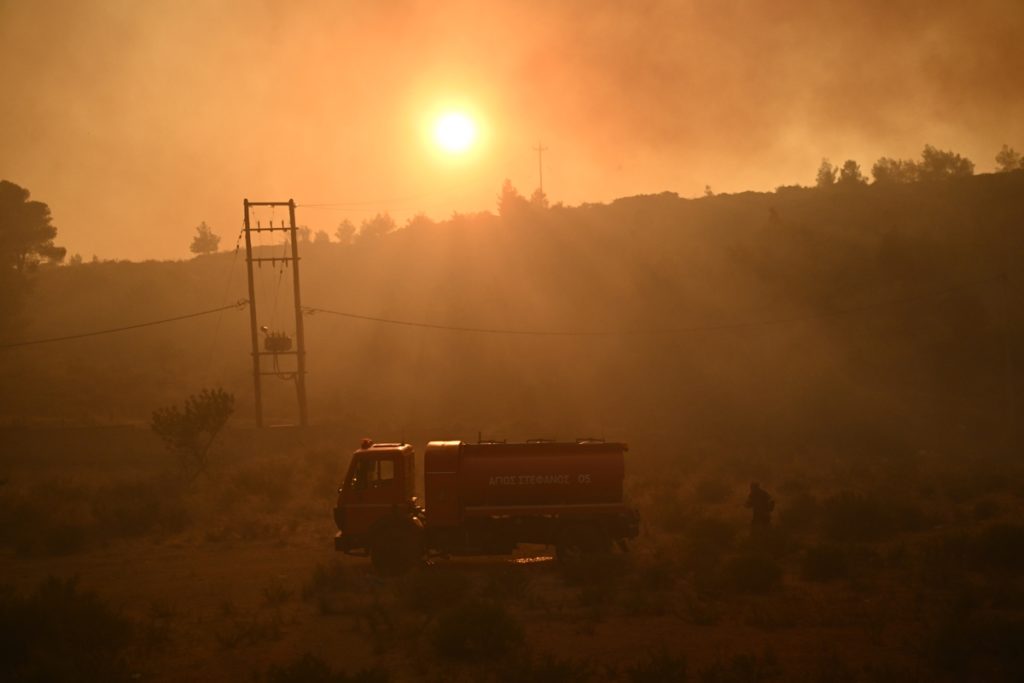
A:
(937, 164)
(26, 234)
(510, 202)
(321, 237)
(419, 221)
(1008, 159)
(345, 232)
(850, 174)
(826, 174)
(376, 227)
(888, 171)
(205, 241)
(538, 199)
(190, 431)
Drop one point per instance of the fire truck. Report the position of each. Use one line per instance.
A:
(483, 499)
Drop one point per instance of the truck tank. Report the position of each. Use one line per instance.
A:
(464, 479)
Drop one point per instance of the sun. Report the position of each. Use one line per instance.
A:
(455, 132)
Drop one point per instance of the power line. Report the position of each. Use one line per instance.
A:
(738, 325)
(238, 305)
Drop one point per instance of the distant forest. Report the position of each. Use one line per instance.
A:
(878, 315)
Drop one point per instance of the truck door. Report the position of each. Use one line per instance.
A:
(372, 491)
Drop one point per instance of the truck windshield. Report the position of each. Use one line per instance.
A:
(373, 473)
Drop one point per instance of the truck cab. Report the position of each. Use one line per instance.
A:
(378, 491)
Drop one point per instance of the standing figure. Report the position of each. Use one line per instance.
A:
(762, 504)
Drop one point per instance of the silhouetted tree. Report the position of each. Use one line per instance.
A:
(321, 237)
(205, 241)
(191, 430)
(26, 234)
(708, 192)
(538, 199)
(850, 174)
(376, 227)
(420, 220)
(1008, 159)
(888, 171)
(937, 164)
(345, 232)
(826, 174)
(26, 240)
(510, 202)
(304, 234)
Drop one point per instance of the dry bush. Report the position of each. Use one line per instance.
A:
(999, 547)
(825, 562)
(432, 589)
(328, 578)
(309, 668)
(542, 669)
(743, 669)
(849, 516)
(250, 629)
(752, 573)
(62, 633)
(132, 509)
(660, 667)
(476, 630)
(711, 491)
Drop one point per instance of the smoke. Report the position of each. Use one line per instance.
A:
(135, 121)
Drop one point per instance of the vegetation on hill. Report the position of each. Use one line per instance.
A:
(854, 311)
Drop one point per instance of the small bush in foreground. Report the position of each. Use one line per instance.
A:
(824, 563)
(545, 669)
(753, 573)
(476, 630)
(660, 667)
(311, 669)
(61, 633)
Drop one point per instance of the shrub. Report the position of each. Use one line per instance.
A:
(711, 491)
(138, 508)
(545, 669)
(327, 578)
(851, 516)
(432, 589)
(707, 539)
(743, 669)
(1000, 546)
(476, 630)
(824, 563)
(61, 633)
(660, 667)
(311, 669)
(190, 431)
(753, 573)
(800, 512)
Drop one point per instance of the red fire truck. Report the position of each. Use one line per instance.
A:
(483, 499)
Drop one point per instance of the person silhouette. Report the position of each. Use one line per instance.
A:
(761, 504)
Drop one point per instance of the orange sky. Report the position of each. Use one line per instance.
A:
(137, 120)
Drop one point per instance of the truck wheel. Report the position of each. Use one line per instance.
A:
(581, 541)
(396, 550)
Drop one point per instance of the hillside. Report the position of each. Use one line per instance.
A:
(877, 314)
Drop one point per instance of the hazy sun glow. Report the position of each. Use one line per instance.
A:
(455, 132)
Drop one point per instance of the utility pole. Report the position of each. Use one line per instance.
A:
(540, 149)
(276, 344)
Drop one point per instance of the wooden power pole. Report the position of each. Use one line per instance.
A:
(273, 346)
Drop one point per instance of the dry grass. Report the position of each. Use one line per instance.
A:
(234, 578)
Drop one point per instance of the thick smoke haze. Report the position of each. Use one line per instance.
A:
(135, 121)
